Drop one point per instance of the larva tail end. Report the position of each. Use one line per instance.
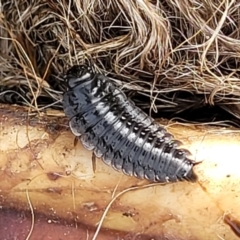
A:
(191, 176)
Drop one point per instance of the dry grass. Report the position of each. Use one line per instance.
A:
(180, 54)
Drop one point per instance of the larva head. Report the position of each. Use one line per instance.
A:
(78, 74)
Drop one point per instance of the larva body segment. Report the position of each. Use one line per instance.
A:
(121, 133)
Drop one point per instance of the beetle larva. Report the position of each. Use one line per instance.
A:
(121, 133)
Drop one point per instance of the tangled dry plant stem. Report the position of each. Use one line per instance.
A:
(178, 54)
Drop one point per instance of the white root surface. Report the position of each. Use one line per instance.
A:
(38, 157)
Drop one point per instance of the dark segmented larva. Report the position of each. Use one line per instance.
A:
(121, 133)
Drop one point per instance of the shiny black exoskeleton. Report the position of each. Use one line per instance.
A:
(119, 132)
